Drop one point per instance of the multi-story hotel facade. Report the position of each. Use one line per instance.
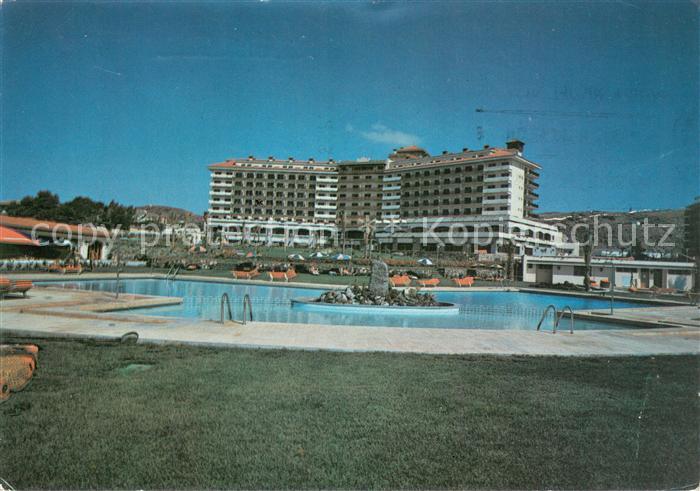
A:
(472, 201)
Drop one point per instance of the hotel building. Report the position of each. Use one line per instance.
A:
(472, 201)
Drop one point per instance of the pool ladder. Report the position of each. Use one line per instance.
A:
(247, 308)
(557, 317)
(172, 272)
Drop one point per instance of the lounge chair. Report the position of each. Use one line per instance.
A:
(245, 275)
(663, 291)
(73, 269)
(290, 274)
(5, 285)
(399, 280)
(432, 282)
(21, 286)
(466, 281)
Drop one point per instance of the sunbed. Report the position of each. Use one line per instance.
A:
(466, 281)
(20, 286)
(73, 269)
(245, 275)
(5, 285)
(282, 275)
(431, 282)
(399, 280)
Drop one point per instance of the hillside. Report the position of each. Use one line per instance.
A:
(166, 215)
(624, 225)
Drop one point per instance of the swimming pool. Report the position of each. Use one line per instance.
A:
(477, 309)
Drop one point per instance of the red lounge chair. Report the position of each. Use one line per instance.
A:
(277, 275)
(282, 275)
(21, 286)
(5, 285)
(245, 275)
(466, 281)
(431, 282)
(399, 280)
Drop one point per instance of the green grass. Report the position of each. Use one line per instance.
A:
(215, 418)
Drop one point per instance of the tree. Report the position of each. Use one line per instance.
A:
(583, 237)
(510, 261)
(47, 206)
(587, 255)
(44, 206)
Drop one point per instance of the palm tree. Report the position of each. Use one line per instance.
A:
(583, 236)
(510, 262)
(587, 254)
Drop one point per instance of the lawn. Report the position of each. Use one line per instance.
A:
(230, 418)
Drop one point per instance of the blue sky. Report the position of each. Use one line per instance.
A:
(131, 101)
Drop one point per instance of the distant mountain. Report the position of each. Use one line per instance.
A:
(166, 215)
(624, 224)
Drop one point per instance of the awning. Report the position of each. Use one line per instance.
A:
(10, 236)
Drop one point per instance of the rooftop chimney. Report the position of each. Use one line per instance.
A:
(444, 152)
(291, 159)
(250, 157)
(515, 145)
(311, 160)
(270, 158)
(465, 149)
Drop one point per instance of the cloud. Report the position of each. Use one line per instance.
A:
(382, 134)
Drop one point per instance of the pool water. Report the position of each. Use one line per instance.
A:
(477, 310)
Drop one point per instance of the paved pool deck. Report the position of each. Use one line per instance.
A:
(52, 311)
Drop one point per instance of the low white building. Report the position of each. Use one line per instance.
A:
(626, 273)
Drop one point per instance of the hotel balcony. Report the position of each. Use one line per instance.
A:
(333, 179)
(324, 206)
(496, 190)
(497, 179)
(326, 197)
(391, 206)
(391, 178)
(219, 192)
(488, 202)
(390, 216)
(391, 187)
(327, 215)
(391, 197)
(498, 168)
(327, 188)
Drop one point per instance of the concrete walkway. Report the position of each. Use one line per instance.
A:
(72, 313)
